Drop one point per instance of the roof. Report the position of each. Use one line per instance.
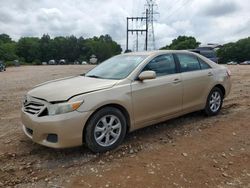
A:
(148, 53)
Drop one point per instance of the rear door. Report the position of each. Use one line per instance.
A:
(159, 97)
(197, 78)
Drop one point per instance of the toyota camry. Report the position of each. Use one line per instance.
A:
(120, 95)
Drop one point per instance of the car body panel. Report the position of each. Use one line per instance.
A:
(196, 86)
(68, 127)
(62, 90)
(153, 99)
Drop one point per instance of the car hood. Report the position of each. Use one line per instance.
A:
(65, 88)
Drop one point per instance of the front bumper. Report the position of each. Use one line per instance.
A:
(67, 127)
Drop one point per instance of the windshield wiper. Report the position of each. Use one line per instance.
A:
(93, 76)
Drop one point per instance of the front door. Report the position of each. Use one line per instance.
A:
(156, 98)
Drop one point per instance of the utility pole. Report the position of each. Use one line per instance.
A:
(137, 30)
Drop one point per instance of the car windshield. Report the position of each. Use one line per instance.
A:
(118, 67)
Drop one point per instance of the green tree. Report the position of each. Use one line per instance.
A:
(4, 38)
(8, 51)
(35, 50)
(29, 49)
(238, 51)
(46, 48)
(7, 48)
(182, 43)
(103, 47)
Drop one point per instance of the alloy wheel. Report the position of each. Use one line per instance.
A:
(107, 130)
(215, 101)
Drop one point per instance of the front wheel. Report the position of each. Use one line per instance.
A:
(214, 102)
(105, 130)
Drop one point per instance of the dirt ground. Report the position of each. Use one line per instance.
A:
(190, 151)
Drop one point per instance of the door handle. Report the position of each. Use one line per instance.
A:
(210, 74)
(176, 80)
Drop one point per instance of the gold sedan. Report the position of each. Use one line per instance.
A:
(122, 94)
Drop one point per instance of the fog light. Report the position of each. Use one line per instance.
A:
(30, 131)
(52, 138)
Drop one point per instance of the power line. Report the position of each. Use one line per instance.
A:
(172, 13)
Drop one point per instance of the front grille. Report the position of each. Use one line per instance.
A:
(34, 108)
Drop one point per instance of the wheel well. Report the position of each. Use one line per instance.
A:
(121, 108)
(221, 88)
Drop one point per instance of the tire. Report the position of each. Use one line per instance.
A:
(214, 102)
(105, 130)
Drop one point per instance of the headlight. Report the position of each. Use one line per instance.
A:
(63, 108)
(25, 100)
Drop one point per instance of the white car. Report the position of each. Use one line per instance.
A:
(245, 63)
(232, 63)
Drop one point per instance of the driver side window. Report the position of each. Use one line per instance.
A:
(162, 65)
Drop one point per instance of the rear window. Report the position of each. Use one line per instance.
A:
(188, 63)
(204, 65)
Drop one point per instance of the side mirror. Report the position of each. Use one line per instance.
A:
(147, 75)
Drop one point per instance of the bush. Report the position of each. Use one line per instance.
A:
(36, 62)
(9, 63)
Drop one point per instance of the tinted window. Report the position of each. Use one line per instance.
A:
(208, 54)
(204, 65)
(188, 63)
(162, 65)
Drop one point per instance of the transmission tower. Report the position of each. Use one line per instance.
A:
(152, 8)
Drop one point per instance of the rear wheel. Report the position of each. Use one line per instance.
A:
(214, 102)
(105, 130)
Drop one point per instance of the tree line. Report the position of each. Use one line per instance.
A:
(235, 51)
(36, 50)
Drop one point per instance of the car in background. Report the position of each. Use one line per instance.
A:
(120, 95)
(245, 63)
(52, 62)
(62, 62)
(84, 63)
(207, 52)
(16, 63)
(232, 63)
(2, 66)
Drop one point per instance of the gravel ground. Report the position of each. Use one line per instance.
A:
(190, 151)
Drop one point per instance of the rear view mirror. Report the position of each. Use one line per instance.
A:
(147, 75)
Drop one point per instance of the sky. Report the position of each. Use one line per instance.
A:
(209, 21)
